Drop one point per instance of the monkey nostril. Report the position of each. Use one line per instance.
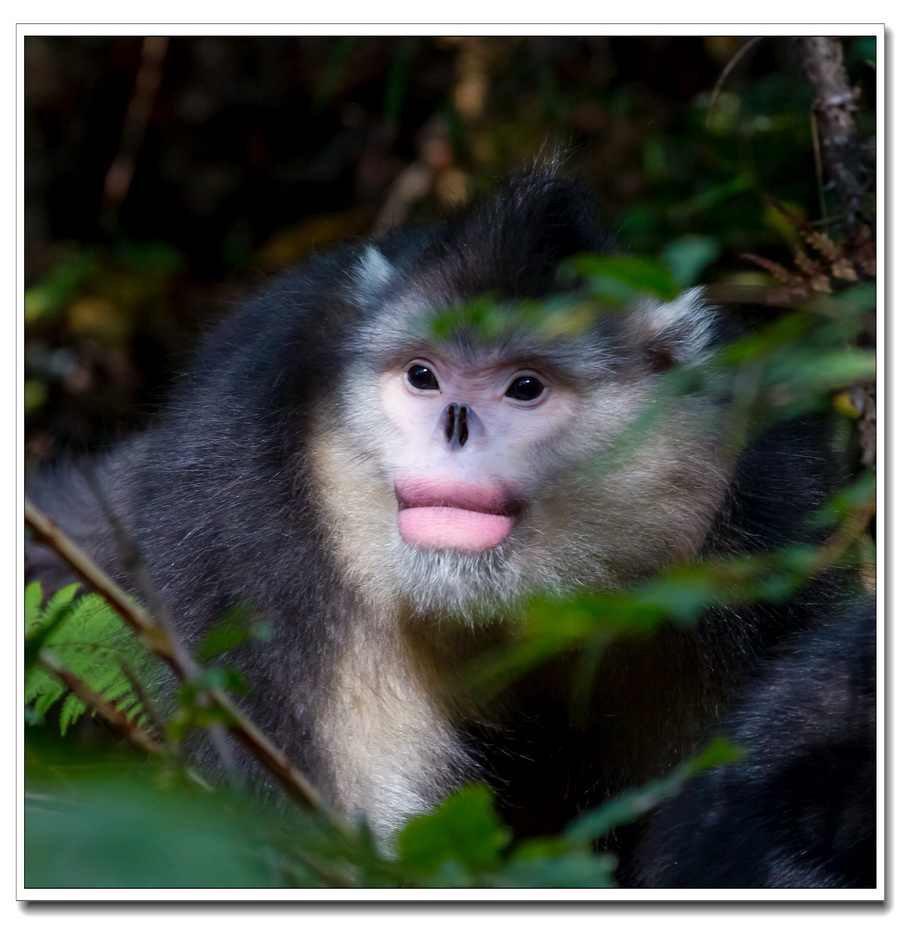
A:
(455, 424)
(448, 419)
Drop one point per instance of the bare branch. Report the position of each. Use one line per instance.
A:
(836, 103)
(149, 78)
(51, 535)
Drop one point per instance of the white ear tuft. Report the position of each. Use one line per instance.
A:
(679, 331)
(373, 271)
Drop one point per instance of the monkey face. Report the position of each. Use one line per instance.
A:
(467, 437)
(462, 466)
(460, 475)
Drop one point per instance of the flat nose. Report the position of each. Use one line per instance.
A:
(458, 423)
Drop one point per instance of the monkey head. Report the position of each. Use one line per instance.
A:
(463, 470)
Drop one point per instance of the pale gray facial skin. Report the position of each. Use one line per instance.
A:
(464, 475)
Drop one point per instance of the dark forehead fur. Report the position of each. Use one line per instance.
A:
(511, 242)
(508, 245)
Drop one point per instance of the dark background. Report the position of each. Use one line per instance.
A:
(167, 177)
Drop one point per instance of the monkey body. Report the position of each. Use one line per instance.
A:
(388, 498)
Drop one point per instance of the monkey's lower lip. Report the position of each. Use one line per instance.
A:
(453, 528)
(455, 515)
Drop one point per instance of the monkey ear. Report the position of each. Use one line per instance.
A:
(373, 272)
(672, 333)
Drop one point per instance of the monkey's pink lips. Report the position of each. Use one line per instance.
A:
(466, 520)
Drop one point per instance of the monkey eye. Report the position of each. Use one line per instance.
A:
(421, 377)
(525, 388)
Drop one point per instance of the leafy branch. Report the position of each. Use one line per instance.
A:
(161, 644)
(118, 718)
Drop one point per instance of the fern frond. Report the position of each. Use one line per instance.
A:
(88, 637)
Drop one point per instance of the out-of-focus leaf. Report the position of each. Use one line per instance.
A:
(689, 256)
(708, 198)
(235, 628)
(620, 279)
(464, 832)
(859, 297)
(35, 395)
(601, 821)
(571, 870)
(112, 833)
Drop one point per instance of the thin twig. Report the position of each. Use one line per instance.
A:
(294, 784)
(134, 127)
(111, 713)
(52, 536)
(188, 670)
(729, 67)
(851, 528)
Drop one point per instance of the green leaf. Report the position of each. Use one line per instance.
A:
(33, 598)
(859, 297)
(463, 832)
(573, 870)
(37, 617)
(114, 833)
(236, 627)
(689, 256)
(41, 692)
(620, 279)
(72, 708)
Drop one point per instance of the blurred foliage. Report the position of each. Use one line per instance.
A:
(119, 824)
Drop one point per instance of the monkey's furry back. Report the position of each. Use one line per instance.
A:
(223, 500)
